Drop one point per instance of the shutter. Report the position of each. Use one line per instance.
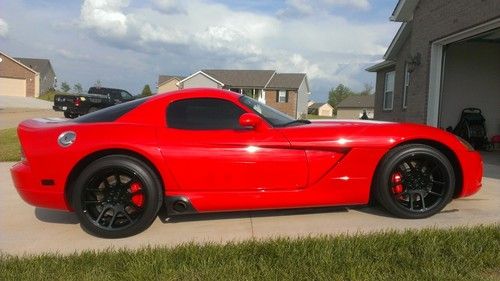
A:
(286, 96)
(277, 96)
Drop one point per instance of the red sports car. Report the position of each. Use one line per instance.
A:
(208, 150)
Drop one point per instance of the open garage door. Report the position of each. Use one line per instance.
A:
(12, 87)
(471, 78)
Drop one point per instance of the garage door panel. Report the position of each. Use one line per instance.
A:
(12, 87)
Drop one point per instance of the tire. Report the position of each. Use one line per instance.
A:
(69, 115)
(414, 181)
(111, 208)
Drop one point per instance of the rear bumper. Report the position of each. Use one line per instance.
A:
(33, 192)
(58, 108)
(472, 171)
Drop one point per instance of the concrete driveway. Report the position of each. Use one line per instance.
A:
(11, 117)
(28, 230)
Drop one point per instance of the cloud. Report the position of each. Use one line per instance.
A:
(169, 6)
(105, 17)
(358, 4)
(328, 47)
(318, 7)
(4, 28)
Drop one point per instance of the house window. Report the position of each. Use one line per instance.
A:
(405, 89)
(389, 90)
(282, 96)
(204, 114)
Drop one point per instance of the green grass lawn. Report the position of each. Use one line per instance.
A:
(10, 149)
(458, 254)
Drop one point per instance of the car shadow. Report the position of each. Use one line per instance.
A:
(54, 216)
(165, 218)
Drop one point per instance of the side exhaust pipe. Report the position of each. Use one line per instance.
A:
(178, 205)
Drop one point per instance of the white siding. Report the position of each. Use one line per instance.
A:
(302, 99)
(200, 80)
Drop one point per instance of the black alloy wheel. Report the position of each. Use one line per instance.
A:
(117, 196)
(415, 181)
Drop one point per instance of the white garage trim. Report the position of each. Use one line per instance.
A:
(437, 63)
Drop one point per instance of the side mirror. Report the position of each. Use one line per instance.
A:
(250, 120)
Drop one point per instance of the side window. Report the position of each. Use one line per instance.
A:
(203, 114)
(125, 95)
(389, 90)
(282, 96)
(114, 95)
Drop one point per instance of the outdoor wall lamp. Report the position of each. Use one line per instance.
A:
(414, 61)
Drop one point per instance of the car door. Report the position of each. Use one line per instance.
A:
(207, 150)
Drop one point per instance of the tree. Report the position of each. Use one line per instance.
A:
(146, 91)
(65, 87)
(335, 96)
(98, 84)
(368, 90)
(77, 88)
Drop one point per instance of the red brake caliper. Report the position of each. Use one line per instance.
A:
(137, 199)
(397, 186)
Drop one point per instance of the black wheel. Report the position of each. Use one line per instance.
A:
(69, 115)
(92, 109)
(414, 181)
(116, 196)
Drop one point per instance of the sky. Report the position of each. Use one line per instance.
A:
(127, 44)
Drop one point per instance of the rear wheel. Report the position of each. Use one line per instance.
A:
(70, 115)
(415, 181)
(116, 196)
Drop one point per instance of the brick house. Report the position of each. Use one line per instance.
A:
(444, 57)
(286, 92)
(17, 79)
(25, 77)
(47, 76)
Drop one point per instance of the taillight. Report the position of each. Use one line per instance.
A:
(77, 101)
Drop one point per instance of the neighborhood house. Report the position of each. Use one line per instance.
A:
(354, 106)
(25, 77)
(444, 58)
(320, 109)
(286, 92)
(168, 83)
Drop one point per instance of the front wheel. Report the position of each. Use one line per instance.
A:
(415, 181)
(116, 196)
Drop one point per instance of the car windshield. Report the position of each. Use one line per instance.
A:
(273, 116)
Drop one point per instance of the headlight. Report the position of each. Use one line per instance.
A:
(465, 143)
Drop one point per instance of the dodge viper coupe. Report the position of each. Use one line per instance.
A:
(208, 150)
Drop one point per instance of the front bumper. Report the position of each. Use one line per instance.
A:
(33, 192)
(472, 171)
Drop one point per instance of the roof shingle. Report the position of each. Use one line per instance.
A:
(164, 78)
(286, 81)
(241, 78)
(358, 101)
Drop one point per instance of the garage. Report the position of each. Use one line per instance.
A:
(470, 79)
(12, 87)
